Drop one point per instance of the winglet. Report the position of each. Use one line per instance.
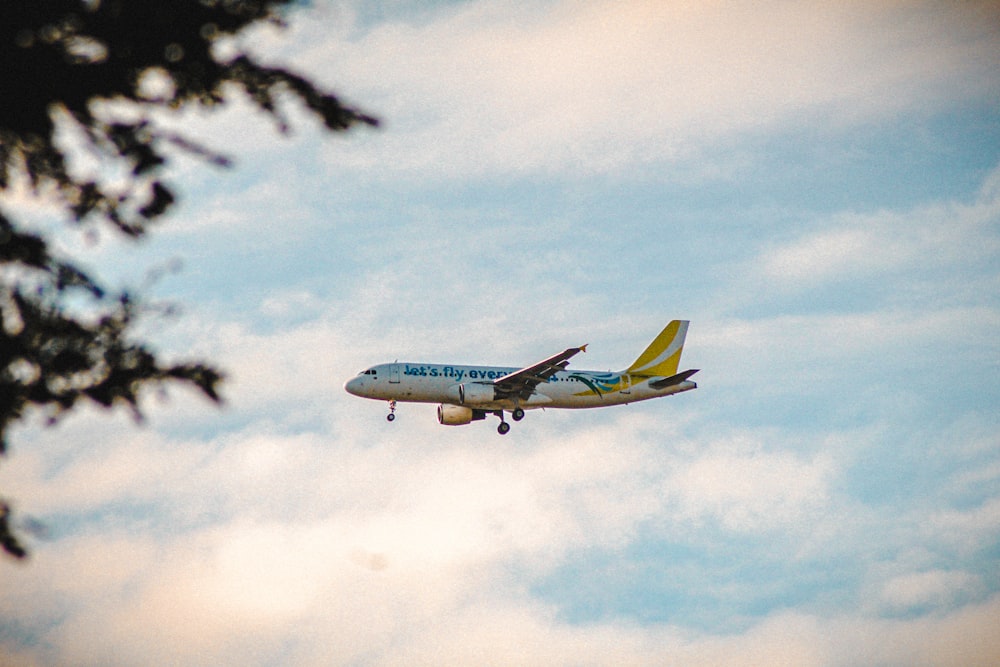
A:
(583, 348)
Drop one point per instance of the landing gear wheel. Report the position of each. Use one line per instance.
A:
(504, 427)
(392, 411)
(517, 415)
(390, 417)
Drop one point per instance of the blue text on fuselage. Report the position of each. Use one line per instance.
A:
(458, 374)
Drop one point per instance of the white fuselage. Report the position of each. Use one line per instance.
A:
(456, 385)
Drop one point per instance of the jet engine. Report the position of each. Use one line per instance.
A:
(457, 415)
(476, 394)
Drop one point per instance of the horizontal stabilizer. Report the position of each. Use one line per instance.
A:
(673, 379)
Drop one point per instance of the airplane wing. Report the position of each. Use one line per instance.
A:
(521, 384)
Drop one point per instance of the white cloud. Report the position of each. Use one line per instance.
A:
(592, 87)
(748, 490)
(882, 245)
(841, 351)
(969, 530)
(411, 546)
(933, 588)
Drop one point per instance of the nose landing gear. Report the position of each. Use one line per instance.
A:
(392, 411)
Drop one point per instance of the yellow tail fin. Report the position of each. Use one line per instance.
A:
(663, 355)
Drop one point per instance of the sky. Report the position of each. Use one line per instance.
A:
(815, 186)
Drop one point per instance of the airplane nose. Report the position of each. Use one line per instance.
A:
(353, 386)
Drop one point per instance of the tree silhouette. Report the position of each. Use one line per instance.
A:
(99, 68)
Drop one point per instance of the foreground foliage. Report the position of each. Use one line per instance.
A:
(94, 70)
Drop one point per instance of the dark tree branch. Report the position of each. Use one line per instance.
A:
(90, 64)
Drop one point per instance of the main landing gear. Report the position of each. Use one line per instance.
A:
(517, 414)
(392, 411)
(504, 427)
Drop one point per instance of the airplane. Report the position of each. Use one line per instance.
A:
(468, 393)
